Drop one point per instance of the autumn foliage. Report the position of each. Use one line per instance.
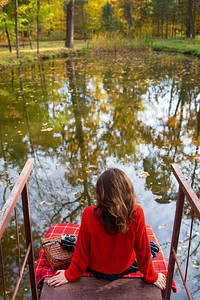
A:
(132, 18)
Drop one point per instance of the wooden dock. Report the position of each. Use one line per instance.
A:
(91, 288)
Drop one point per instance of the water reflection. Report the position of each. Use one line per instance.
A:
(76, 117)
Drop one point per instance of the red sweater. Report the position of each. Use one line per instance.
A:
(111, 254)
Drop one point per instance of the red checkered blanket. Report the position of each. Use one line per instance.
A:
(43, 268)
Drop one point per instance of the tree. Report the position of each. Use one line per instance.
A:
(108, 18)
(38, 24)
(80, 19)
(6, 25)
(70, 25)
(16, 28)
(190, 28)
(127, 12)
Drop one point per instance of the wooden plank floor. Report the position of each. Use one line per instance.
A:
(91, 288)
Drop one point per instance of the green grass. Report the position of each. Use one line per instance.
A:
(48, 50)
(184, 46)
(99, 44)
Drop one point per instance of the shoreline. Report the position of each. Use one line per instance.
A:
(100, 46)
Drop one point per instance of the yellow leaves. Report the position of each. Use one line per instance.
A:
(3, 3)
(173, 122)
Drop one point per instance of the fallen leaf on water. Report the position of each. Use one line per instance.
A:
(197, 233)
(143, 174)
(195, 266)
(119, 145)
(75, 193)
(156, 197)
(184, 246)
(163, 226)
(79, 179)
(40, 203)
(58, 181)
(180, 241)
(49, 203)
(47, 129)
(58, 192)
(92, 166)
(179, 248)
(195, 261)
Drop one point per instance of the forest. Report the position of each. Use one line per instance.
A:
(40, 20)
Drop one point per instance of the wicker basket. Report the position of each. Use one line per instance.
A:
(57, 257)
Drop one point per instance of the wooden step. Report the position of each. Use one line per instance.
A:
(90, 288)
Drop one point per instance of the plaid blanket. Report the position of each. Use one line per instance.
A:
(43, 268)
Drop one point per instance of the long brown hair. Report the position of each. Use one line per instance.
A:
(116, 200)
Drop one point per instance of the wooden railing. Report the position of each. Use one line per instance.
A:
(184, 190)
(20, 188)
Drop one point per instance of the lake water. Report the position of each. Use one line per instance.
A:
(76, 117)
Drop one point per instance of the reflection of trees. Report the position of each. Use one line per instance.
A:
(89, 124)
(168, 145)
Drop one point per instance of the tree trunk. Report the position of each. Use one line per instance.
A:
(190, 29)
(38, 25)
(166, 29)
(129, 20)
(29, 36)
(22, 36)
(83, 20)
(8, 38)
(70, 25)
(16, 28)
(158, 28)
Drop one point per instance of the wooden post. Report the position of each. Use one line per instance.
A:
(29, 240)
(174, 243)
